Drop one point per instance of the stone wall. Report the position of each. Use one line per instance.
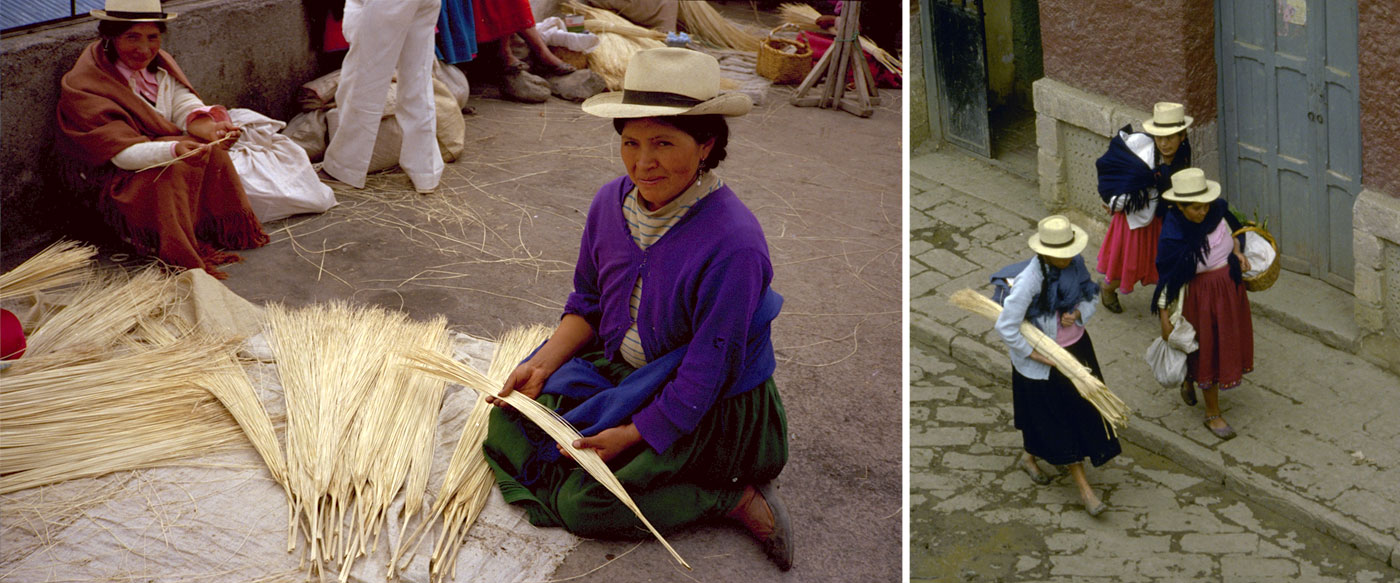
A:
(1376, 251)
(239, 53)
(1139, 51)
(1379, 71)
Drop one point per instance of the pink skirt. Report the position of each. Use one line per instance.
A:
(1219, 309)
(1129, 256)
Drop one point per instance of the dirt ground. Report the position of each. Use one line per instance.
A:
(494, 248)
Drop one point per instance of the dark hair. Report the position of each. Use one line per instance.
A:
(111, 29)
(699, 127)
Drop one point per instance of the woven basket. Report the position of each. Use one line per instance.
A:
(783, 67)
(1264, 280)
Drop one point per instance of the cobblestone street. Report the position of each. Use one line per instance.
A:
(974, 516)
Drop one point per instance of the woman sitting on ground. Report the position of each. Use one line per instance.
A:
(1055, 293)
(663, 357)
(133, 129)
(1197, 248)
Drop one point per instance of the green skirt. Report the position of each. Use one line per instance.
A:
(741, 441)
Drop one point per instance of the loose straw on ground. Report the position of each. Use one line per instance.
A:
(1113, 410)
(554, 425)
(60, 264)
(805, 17)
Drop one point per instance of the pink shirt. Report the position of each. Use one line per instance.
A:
(1068, 335)
(1219, 249)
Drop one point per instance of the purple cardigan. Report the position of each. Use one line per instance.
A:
(703, 281)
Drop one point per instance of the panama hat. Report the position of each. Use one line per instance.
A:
(133, 11)
(668, 81)
(1167, 119)
(1055, 236)
(1190, 185)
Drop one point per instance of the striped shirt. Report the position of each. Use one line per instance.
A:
(647, 227)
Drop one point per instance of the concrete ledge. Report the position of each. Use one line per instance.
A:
(1311, 308)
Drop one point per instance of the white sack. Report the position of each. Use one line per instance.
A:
(308, 130)
(276, 173)
(455, 80)
(556, 34)
(1167, 358)
(1259, 253)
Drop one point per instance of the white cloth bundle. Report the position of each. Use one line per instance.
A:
(1167, 358)
(556, 34)
(1259, 253)
(274, 170)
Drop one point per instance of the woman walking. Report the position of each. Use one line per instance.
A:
(1055, 293)
(1197, 248)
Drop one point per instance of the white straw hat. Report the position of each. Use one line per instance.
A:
(1190, 185)
(133, 11)
(1055, 236)
(668, 81)
(1167, 119)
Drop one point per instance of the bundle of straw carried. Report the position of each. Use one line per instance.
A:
(805, 17)
(552, 423)
(1113, 410)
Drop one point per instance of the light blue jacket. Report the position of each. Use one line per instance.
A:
(1024, 288)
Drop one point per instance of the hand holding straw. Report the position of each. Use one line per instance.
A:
(1113, 410)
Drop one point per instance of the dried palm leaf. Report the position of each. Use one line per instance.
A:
(103, 310)
(805, 17)
(1111, 408)
(705, 23)
(553, 425)
(60, 264)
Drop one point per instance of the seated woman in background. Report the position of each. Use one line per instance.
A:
(133, 129)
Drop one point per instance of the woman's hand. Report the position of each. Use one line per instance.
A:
(528, 379)
(206, 129)
(609, 442)
(1041, 358)
(1167, 325)
(186, 145)
(1244, 263)
(1068, 319)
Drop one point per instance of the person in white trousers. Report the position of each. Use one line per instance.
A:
(385, 35)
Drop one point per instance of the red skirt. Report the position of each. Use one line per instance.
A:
(1219, 309)
(497, 19)
(1129, 256)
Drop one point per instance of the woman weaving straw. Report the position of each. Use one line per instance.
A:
(663, 358)
(1056, 294)
(133, 128)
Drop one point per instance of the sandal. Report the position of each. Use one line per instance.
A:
(1188, 393)
(1109, 298)
(549, 70)
(1031, 469)
(1225, 433)
(768, 523)
(1096, 509)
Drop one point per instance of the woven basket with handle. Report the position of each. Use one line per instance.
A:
(1266, 279)
(783, 61)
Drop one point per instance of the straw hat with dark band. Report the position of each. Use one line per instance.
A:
(1167, 119)
(1190, 185)
(1055, 236)
(133, 11)
(668, 81)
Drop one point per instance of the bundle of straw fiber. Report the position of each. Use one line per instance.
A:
(60, 264)
(1113, 410)
(705, 23)
(618, 40)
(469, 479)
(227, 382)
(102, 311)
(135, 410)
(553, 424)
(805, 17)
(357, 426)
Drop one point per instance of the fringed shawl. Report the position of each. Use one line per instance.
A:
(1062, 289)
(1123, 172)
(1184, 244)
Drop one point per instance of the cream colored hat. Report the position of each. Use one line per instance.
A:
(668, 81)
(133, 11)
(1190, 185)
(1167, 119)
(1055, 236)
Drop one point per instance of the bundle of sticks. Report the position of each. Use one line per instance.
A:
(1113, 410)
(805, 17)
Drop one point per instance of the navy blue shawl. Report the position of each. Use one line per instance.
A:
(1183, 244)
(1123, 172)
(1061, 289)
